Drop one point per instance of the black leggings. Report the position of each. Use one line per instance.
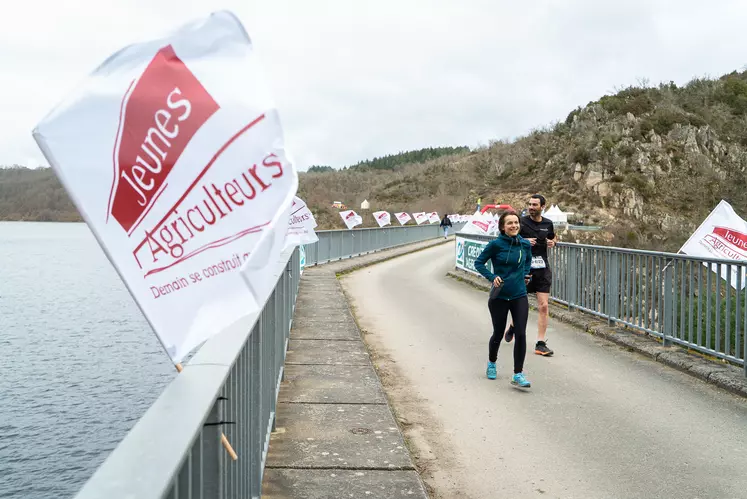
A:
(499, 310)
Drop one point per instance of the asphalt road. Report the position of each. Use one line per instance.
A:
(598, 422)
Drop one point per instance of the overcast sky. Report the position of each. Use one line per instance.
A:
(355, 79)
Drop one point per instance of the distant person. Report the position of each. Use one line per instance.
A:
(511, 257)
(445, 224)
(540, 232)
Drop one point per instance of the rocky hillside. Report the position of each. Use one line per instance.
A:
(647, 163)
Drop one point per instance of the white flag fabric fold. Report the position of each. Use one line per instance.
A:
(403, 218)
(301, 225)
(351, 218)
(478, 223)
(180, 172)
(723, 235)
(382, 218)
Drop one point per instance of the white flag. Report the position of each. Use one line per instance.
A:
(478, 224)
(723, 234)
(433, 218)
(351, 218)
(382, 218)
(179, 171)
(420, 218)
(403, 218)
(300, 225)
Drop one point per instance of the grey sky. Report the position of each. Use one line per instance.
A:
(357, 79)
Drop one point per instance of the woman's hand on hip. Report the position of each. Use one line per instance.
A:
(497, 281)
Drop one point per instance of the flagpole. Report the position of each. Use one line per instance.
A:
(223, 439)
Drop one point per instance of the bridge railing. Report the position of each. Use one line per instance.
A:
(340, 244)
(678, 298)
(229, 387)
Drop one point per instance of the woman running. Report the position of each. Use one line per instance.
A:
(511, 257)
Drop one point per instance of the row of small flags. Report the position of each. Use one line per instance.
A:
(383, 218)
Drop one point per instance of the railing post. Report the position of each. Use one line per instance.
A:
(211, 455)
(668, 304)
(572, 280)
(613, 290)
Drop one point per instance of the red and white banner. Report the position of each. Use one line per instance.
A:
(433, 218)
(403, 218)
(301, 225)
(723, 234)
(420, 218)
(179, 171)
(382, 218)
(351, 218)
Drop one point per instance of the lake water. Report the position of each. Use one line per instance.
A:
(78, 363)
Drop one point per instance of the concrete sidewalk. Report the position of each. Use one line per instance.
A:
(335, 434)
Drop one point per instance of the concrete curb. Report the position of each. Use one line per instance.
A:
(715, 372)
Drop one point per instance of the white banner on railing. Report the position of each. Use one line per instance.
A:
(301, 225)
(467, 250)
(382, 218)
(351, 218)
(179, 171)
(403, 218)
(433, 217)
(723, 234)
(420, 218)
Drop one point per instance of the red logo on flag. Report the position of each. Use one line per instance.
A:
(732, 237)
(160, 114)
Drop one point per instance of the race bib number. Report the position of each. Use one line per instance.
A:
(538, 262)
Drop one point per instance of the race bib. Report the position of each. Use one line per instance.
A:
(538, 262)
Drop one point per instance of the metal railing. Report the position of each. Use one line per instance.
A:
(230, 386)
(339, 244)
(678, 298)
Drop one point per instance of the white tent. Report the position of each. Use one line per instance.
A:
(557, 215)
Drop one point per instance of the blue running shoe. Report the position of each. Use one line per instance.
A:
(520, 381)
(491, 370)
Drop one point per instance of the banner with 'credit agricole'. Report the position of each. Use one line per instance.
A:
(173, 153)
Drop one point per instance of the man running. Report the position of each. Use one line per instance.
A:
(540, 232)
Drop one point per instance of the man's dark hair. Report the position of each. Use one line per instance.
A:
(540, 197)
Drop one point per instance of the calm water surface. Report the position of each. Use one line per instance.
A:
(78, 363)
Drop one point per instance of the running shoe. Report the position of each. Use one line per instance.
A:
(541, 349)
(492, 371)
(520, 381)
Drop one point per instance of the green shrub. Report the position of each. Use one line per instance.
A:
(626, 150)
(581, 155)
(633, 100)
(607, 143)
(733, 93)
